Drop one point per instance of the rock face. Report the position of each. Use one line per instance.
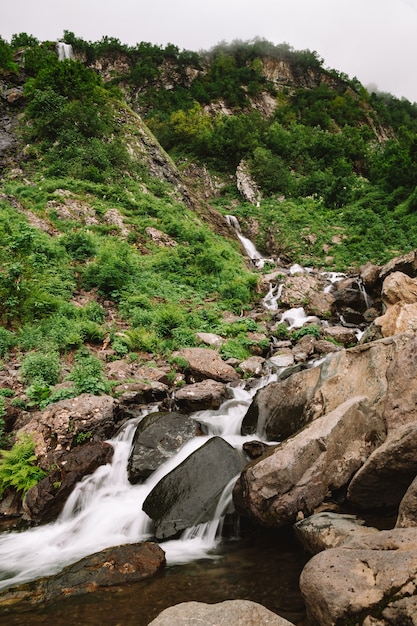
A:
(157, 438)
(407, 511)
(209, 394)
(283, 407)
(188, 495)
(347, 584)
(298, 474)
(205, 363)
(228, 613)
(399, 294)
(386, 475)
(400, 401)
(112, 566)
(44, 501)
(57, 427)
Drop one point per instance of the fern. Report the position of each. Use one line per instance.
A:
(18, 467)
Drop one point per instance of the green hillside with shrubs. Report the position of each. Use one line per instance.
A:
(335, 165)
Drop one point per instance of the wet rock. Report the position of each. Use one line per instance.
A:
(113, 566)
(157, 438)
(188, 495)
(208, 394)
(277, 411)
(44, 501)
(205, 363)
(302, 471)
(387, 473)
(228, 613)
(255, 449)
(370, 276)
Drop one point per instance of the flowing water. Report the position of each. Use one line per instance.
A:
(105, 509)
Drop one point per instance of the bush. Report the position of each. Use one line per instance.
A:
(87, 374)
(7, 341)
(18, 467)
(41, 368)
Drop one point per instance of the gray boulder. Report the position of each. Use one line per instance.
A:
(228, 613)
(188, 495)
(302, 471)
(157, 438)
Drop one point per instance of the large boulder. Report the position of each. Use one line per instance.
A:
(188, 495)
(113, 566)
(208, 394)
(205, 363)
(283, 407)
(399, 294)
(386, 475)
(228, 613)
(60, 425)
(407, 511)
(157, 438)
(301, 472)
(44, 501)
(400, 402)
(375, 577)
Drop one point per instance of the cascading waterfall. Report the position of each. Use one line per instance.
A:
(106, 510)
(64, 51)
(255, 256)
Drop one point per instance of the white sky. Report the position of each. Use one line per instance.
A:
(374, 40)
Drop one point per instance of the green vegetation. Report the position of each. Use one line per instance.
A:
(18, 468)
(81, 268)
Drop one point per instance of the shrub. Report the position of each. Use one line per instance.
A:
(18, 467)
(41, 368)
(311, 329)
(87, 374)
(7, 341)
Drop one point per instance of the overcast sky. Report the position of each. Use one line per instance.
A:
(374, 40)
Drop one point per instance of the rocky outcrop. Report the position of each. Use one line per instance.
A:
(399, 295)
(386, 475)
(112, 566)
(242, 612)
(205, 363)
(44, 501)
(298, 474)
(208, 394)
(375, 577)
(157, 438)
(57, 427)
(407, 511)
(283, 407)
(188, 495)
(246, 185)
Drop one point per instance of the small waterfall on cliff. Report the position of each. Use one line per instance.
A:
(106, 510)
(255, 256)
(64, 50)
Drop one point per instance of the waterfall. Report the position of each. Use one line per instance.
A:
(255, 256)
(64, 51)
(106, 510)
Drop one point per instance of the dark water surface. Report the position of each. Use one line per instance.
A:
(264, 566)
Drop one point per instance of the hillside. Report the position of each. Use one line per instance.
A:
(119, 166)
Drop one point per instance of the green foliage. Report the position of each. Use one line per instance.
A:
(81, 437)
(18, 468)
(39, 368)
(311, 329)
(235, 349)
(7, 341)
(87, 374)
(7, 64)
